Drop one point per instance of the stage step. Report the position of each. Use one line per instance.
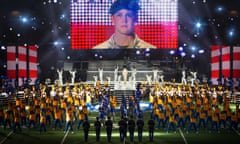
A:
(123, 93)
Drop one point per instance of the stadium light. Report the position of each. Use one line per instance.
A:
(180, 48)
(193, 48)
(201, 51)
(138, 52)
(3, 48)
(183, 54)
(172, 52)
(198, 25)
(231, 33)
(24, 19)
(193, 56)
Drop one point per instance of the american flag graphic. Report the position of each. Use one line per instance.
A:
(22, 63)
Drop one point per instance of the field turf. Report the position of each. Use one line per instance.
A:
(160, 136)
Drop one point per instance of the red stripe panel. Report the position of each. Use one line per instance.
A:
(236, 56)
(215, 47)
(226, 73)
(236, 73)
(22, 57)
(22, 73)
(215, 59)
(215, 74)
(11, 56)
(11, 74)
(226, 57)
(32, 47)
(33, 73)
(32, 59)
(87, 35)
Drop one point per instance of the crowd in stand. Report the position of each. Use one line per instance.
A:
(173, 106)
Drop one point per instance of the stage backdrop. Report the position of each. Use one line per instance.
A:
(91, 25)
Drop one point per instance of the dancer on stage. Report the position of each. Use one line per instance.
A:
(155, 74)
(133, 73)
(184, 81)
(116, 73)
(60, 76)
(100, 71)
(73, 73)
(125, 74)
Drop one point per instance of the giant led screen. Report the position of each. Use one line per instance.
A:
(91, 24)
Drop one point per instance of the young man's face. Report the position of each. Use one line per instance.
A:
(124, 21)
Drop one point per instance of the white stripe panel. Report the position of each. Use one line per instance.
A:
(11, 49)
(236, 49)
(215, 53)
(11, 65)
(236, 64)
(235, 82)
(215, 66)
(22, 65)
(32, 53)
(22, 50)
(33, 81)
(226, 65)
(214, 81)
(20, 82)
(32, 66)
(225, 50)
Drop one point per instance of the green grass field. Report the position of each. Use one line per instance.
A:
(160, 136)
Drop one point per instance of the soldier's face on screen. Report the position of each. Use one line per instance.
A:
(124, 21)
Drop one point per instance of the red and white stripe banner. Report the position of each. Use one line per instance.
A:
(22, 63)
(17, 62)
(11, 62)
(236, 62)
(215, 62)
(226, 60)
(33, 73)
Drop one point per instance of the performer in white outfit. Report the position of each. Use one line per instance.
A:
(60, 77)
(133, 74)
(184, 81)
(194, 78)
(100, 71)
(149, 79)
(155, 74)
(116, 73)
(108, 79)
(125, 74)
(73, 74)
(95, 79)
(161, 78)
